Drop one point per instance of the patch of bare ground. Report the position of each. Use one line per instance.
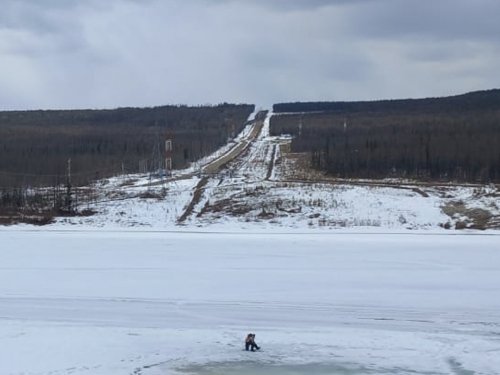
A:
(266, 215)
(129, 182)
(38, 217)
(159, 195)
(254, 191)
(255, 209)
(420, 192)
(470, 218)
(198, 192)
(226, 207)
(35, 218)
(117, 195)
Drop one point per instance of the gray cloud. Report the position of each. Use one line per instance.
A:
(287, 5)
(438, 20)
(90, 53)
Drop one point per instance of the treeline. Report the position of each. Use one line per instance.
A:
(455, 138)
(473, 101)
(36, 145)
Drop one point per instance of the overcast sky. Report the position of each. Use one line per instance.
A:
(111, 53)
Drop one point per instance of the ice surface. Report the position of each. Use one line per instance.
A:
(116, 302)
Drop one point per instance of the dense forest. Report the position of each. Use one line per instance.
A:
(35, 145)
(452, 139)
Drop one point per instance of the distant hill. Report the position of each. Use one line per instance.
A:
(477, 100)
(454, 138)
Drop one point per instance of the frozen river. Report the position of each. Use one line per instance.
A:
(99, 302)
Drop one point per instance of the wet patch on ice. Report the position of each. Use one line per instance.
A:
(457, 368)
(255, 367)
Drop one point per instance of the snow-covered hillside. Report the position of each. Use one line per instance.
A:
(264, 188)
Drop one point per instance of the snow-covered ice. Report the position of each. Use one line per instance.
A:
(121, 302)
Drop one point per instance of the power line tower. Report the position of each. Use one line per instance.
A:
(169, 150)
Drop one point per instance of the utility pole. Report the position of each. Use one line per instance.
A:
(168, 153)
(68, 202)
(69, 172)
